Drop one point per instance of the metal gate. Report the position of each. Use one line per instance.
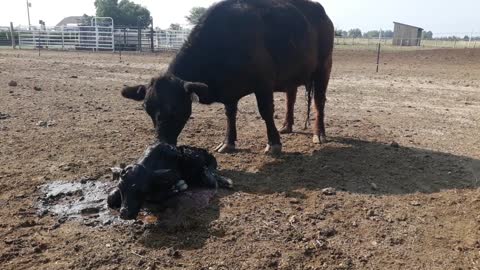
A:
(99, 36)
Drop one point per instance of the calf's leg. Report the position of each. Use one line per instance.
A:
(228, 145)
(289, 118)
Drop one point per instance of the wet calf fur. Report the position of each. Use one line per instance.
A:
(163, 171)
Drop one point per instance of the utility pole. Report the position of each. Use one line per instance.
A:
(28, 13)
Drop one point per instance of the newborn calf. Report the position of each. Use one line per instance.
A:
(163, 171)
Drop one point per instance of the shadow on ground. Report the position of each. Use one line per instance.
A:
(349, 165)
(363, 167)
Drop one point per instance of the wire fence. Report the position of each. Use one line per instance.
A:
(110, 38)
(446, 42)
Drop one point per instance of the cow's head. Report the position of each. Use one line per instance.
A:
(168, 101)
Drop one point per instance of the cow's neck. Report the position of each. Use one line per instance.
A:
(187, 65)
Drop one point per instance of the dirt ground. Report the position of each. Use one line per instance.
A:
(414, 205)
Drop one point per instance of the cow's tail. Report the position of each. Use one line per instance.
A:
(309, 87)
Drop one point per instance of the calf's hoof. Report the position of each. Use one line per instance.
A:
(181, 186)
(225, 148)
(224, 182)
(273, 149)
(319, 139)
(286, 130)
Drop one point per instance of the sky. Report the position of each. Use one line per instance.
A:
(439, 16)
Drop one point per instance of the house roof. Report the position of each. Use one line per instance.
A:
(70, 20)
(408, 25)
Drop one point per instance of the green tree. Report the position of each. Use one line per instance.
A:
(427, 35)
(372, 34)
(175, 27)
(125, 13)
(387, 34)
(355, 33)
(195, 14)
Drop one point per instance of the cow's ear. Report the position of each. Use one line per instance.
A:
(135, 92)
(198, 91)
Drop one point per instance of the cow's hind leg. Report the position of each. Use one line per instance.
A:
(266, 108)
(289, 117)
(321, 79)
(228, 145)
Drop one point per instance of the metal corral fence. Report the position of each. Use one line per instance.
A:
(110, 38)
(128, 39)
(99, 38)
(445, 42)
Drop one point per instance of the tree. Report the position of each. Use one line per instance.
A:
(86, 20)
(125, 13)
(427, 35)
(387, 34)
(175, 27)
(195, 14)
(338, 32)
(466, 38)
(355, 33)
(372, 34)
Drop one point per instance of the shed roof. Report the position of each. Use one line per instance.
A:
(408, 25)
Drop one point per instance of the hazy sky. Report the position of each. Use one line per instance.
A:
(439, 16)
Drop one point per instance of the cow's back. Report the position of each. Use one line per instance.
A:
(318, 18)
(237, 40)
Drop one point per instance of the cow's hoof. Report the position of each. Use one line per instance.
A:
(319, 139)
(286, 130)
(225, 148)
(273, 149)
(225, 182)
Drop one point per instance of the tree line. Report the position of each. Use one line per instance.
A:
(357, 33)
(128, 14)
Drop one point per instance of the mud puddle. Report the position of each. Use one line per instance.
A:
(86, 202)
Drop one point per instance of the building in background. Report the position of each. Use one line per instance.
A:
(72, 20)
(406, 35)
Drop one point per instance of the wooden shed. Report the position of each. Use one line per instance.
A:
(406, 35)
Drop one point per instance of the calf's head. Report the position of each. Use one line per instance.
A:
(136, 183)
(168, 101)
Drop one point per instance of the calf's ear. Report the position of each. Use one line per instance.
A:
(198, 91)
(135, 92)
(161, 172)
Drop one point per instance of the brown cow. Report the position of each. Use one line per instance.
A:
(241, 47)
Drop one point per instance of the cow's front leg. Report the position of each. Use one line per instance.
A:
(289, 118)
(228, 145)
(265, 106)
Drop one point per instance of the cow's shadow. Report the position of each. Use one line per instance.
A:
(363, 167)
(348, 165)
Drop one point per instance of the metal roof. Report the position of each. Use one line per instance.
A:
(408, 25)
(70, 20)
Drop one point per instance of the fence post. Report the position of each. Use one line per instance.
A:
(63, 38)
(139, 42)
(12, 34)
(151, 39)
(455, 44)
(378, 55)
(96, 36)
